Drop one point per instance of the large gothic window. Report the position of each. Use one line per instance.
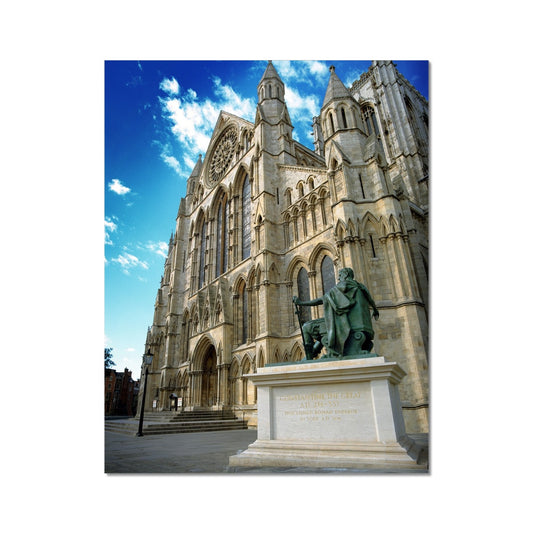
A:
(304, 294)
(327, 271)
(201, 272)
(243, 313)
(246, 211)
(369, 118)
(222, 237)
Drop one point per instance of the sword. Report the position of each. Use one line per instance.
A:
(298, 312)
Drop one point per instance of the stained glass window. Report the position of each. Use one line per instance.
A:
(201, 273)
(246, 210)
(303, 294)
(327, 271)
(220, 239)
(226, 238)
(244, 296)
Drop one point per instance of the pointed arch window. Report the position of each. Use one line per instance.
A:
(343, 116)
(243, 312)
(302, 281)
(369, 118)
(201, 272)
(331, 123)
(222, 237)
(246, 211)
(327, 272)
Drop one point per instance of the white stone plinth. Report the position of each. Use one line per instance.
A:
(334, 414)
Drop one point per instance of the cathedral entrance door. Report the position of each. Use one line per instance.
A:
(209, 378)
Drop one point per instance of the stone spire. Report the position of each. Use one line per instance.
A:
(271, 87)
(198, 167)
(270, 72)
(336, 89)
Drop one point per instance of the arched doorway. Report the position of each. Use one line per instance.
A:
(209, 378)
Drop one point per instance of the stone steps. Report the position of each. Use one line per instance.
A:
(165, 423)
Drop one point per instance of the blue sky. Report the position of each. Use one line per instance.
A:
(159, 116)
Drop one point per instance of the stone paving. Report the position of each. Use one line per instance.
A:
(201, 453)
(205, 452)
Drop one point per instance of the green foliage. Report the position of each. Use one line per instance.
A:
(108, 356)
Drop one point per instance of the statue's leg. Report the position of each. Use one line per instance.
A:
(309, 354)
(368, 344)
(307, 329)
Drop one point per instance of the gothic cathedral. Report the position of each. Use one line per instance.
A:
(265, 219)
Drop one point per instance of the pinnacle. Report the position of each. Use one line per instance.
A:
(336, 89)
(270, 72)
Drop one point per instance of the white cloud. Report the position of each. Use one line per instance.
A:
(170, 86)
(299, 105)
(128, 262)
(232, 102)
(172, 162)
(110, 227)
(302, 71)
(317, 68)
(159, 248)
(117, 187)
(192, 119)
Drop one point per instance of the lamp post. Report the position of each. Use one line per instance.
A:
(147, 360)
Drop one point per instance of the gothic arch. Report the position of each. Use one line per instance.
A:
(241, 173)
(370, 222)
(200, 352)
(296, 352)
(394, 225)
(288, 196)
(340, 230)
(247, 364)
(318, 253)
(273, 273)
(259, 216)
(261, 358)
(295, 264)
(352, 232)
(313, 198)
(220, 191)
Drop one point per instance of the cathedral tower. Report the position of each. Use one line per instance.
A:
(266, 218)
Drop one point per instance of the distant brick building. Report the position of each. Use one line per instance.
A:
(120, 392)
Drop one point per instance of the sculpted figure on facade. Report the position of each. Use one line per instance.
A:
(346, 329)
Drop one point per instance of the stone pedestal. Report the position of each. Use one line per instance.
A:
(331, 414)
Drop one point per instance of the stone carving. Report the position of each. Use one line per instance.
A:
(223, 155)
(346, 329)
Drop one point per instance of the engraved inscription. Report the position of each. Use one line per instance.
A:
(329, 413)
(318, 405)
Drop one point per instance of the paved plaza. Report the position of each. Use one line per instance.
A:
(196, 453)
(202, 452)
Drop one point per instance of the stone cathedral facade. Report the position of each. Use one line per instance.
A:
(265, 218)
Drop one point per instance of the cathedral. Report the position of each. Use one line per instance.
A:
(266, 218)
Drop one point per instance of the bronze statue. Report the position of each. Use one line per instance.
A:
(346, 329)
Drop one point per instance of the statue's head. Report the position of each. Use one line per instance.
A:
(346, 273)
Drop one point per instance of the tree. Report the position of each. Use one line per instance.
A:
(108, 357)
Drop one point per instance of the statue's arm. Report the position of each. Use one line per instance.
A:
(317, 301)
